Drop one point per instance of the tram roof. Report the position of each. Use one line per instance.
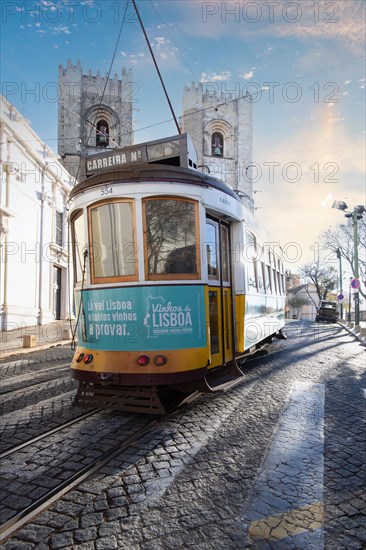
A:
(144, 172)
(169, 159)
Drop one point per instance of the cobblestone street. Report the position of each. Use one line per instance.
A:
(276, 462)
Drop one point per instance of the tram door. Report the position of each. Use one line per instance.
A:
(219, 291)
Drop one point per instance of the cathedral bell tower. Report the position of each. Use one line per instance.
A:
(85, 123)
(221, 129)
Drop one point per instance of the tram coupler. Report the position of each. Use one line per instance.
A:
(280, 336)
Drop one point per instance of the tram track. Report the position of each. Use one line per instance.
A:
(22, 517)
(47, 434)
(29, 512)
(23, 397)
(63, 365)
(12, 382)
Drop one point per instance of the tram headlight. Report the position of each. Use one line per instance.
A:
(88, 358)
(80, 357)
(143, 360)
(160, 360)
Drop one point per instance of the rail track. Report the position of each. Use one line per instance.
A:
(29, 512)
(10, 380)
(47, 434)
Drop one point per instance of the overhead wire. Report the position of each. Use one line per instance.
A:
(219, 103)
(156, 66)
(106, 79)
(85, 253)
(247, 96)
(166, 27)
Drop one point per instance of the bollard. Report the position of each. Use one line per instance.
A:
(29, 341)
(66, 334)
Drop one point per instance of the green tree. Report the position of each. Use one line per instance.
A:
(297, 302)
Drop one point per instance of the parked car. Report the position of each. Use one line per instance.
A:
(327, 311)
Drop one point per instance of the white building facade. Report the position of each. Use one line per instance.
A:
(35, 262)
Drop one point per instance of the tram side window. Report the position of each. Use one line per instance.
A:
(279, 283)
(274, 279)
(112, 242)
(212, 256)
(268, 280)
(171, 239)
(79, 243)
(262, 277)
(251, 254)
(225, 254)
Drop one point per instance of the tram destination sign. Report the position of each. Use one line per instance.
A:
(106, 162)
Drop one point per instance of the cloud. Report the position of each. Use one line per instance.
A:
(316, 164)
(248, 75)
(341, 21)
(161, 41)
(215, 77)
(60, 29)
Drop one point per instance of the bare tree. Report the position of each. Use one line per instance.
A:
(323, 278)
(342, 238)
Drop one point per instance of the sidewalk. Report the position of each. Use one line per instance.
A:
(35, 338)
(14, 342)
(360, 334)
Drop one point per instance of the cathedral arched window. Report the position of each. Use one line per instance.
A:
(102, 137)
(217, 144)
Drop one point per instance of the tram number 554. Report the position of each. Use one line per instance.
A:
(106, 191)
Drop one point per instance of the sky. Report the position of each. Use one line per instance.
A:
(302, 61)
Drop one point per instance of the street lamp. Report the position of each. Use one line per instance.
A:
(339, 256)
(357, 214)
(349, 317)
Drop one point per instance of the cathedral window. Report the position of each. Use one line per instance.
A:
(102, 138)
(217, 144)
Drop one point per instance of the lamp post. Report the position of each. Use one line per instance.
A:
(357, 214)
(339, 256)
(349, 317)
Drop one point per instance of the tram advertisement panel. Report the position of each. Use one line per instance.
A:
(139, 318)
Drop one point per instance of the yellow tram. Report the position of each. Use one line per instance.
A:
(175, 282)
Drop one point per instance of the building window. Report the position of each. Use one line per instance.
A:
(59, 228)
(217, 144)
(102, 138)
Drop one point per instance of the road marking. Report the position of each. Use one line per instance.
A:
(287, 501)
(364, 393)
(307, 518)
